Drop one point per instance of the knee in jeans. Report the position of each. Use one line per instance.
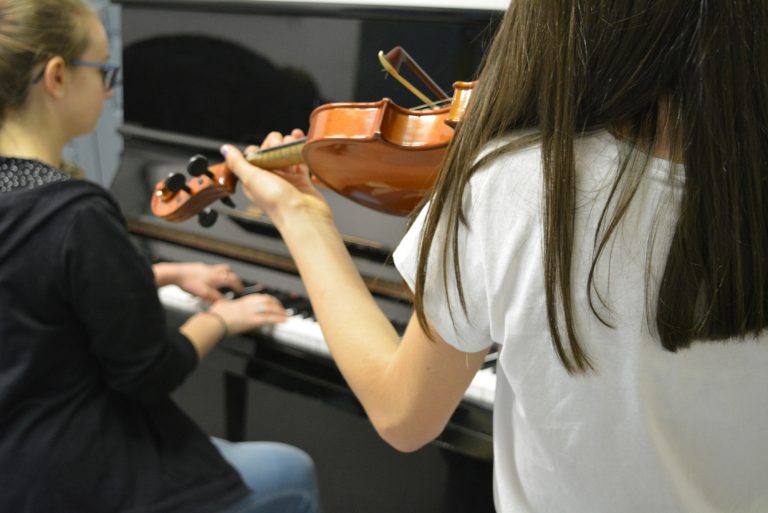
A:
(302, 463)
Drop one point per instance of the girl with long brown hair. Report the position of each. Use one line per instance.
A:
(601, 214)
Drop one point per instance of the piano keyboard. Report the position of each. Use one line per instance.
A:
(302, 332)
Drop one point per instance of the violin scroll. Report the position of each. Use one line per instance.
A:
(198, 166)
(177, 199)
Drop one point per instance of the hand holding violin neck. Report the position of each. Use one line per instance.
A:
(278, 157)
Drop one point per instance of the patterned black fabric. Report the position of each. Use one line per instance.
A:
(27, 174)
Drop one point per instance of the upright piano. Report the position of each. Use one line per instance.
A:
(200, 73)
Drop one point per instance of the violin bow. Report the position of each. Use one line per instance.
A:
(392, 60)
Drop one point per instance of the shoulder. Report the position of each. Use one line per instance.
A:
(78, 189)
(507, 180)
(55, 206)
(79, 197)
(510, 172)
(79, 212)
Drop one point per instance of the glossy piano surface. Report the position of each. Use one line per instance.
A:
(280, 383)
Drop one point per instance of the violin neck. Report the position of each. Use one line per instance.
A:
(278, 157)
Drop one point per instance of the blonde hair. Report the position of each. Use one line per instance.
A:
(31, 32)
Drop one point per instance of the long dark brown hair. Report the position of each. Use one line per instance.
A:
(568, 67)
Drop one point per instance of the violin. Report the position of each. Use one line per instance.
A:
(379, 155)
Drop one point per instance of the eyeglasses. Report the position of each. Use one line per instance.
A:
(109, 72)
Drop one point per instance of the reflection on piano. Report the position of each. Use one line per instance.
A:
(280, 383)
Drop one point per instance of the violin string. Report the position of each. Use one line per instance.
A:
(439, 103)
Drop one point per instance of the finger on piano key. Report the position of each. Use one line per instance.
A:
(304, 333)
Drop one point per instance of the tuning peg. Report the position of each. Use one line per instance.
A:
(207, 218)
(198, 166)
(177, 182)
(228, 202)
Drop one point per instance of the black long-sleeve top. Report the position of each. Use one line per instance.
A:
(87, 363)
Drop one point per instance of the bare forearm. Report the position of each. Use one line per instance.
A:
(409, 388)
(359, 335)
(204, 330)
(165, 274)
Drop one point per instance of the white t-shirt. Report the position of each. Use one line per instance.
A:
(649, 431)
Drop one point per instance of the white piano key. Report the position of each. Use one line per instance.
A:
(305, 334)
(177, 298)
(300, 333)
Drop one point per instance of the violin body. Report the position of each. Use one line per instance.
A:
(379, 154)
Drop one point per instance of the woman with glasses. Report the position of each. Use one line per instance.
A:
(86, 361)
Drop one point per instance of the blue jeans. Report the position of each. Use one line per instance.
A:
(281, 477)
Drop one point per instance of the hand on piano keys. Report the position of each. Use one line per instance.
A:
(301, 331)
(197, 278)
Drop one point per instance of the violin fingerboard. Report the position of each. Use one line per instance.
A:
(277, 157)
